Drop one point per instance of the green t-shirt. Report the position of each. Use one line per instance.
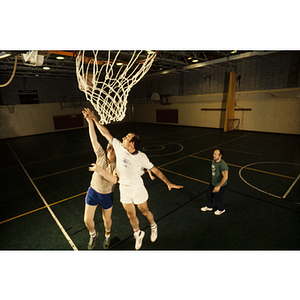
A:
(216, 172)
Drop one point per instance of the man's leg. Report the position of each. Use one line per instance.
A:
(106, 216)
(219, 199)
(143, 207)
(125, 198)
(131, 214)
(209, 196)
(134, 221)
(89, 214)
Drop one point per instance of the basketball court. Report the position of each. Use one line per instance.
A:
(45, 179)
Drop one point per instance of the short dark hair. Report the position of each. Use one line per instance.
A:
(220, 150)
(136, 141)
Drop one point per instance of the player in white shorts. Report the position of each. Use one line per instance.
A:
(130, 162)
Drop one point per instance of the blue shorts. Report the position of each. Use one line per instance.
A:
(94, 198)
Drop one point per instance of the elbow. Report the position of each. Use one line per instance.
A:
(154, 170)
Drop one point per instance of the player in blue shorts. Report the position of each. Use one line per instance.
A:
(101, 187)
(130, 167)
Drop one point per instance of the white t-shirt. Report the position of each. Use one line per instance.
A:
(129, 165)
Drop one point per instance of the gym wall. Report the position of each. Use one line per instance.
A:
(267, 95)
(267, 99)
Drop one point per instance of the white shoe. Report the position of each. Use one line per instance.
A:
(205, 208)
(92, 241)
(106, 243)
(139, 239)
(217, 212)
(154, 233)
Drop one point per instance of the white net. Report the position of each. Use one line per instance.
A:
(107, 82)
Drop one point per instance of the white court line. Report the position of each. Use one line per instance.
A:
(60, 172)
(47, 205)
(288, 191)
(263, 162)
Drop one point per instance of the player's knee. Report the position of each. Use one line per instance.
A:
(144, 210)
(131, 214)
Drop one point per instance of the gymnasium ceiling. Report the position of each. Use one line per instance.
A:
(166, 62)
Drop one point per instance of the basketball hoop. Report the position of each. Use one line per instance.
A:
(107, 82)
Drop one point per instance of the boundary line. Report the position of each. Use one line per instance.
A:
(40, 208)
(288, 191)
(166, 170)
(60, 172)
(274, 162)
(252, 169)
(49, 209)
(204, 150)
(46, 159)
(250, 153)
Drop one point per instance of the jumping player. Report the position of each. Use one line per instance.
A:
(102, 186)
(130, 162)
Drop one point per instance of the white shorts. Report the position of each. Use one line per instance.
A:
(133, 194)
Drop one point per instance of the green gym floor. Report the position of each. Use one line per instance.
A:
(44, 179)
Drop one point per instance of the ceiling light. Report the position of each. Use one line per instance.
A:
(46, 68)
(60, 57)
(119, 64)
(234, 51)
(195, 60)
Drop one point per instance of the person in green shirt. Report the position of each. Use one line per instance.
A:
(218, 183)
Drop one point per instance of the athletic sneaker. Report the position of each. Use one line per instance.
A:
(92, 242)
(205, 208)
(106, 243)
(217, 212)
(154, 233)
(139, 239)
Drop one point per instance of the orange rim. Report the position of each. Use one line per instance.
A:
(89, 59)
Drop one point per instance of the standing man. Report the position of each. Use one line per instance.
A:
(218, 184)
(101, 188)
(130, 162)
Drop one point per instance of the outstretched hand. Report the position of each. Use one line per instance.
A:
(174, 186)
(88, 114)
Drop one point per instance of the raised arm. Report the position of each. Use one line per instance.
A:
(92, 134)
(163, 178)
(103, 130)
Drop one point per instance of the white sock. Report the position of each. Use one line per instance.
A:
(136, 231)
(153, 226)
(93, 234)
